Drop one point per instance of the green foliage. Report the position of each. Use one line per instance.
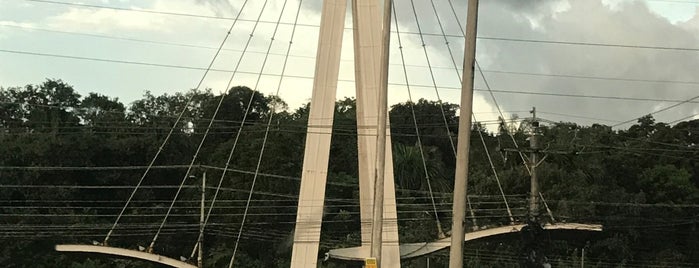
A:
(668, 184)
(600, 175)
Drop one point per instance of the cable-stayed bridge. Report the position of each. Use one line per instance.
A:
(326, 80)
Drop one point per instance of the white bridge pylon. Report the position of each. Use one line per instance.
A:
(367, 21)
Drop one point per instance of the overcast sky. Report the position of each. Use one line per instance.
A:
(127, 36)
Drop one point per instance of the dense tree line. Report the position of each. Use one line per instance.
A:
(641, 183)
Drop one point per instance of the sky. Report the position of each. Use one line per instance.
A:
(653, 58)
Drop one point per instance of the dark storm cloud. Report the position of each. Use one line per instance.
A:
(626, 22)
(577, 21)
(591, 21)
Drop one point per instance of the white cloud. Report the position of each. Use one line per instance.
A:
(7, 25)
(107, 20)
(14, 23)
(624, 22)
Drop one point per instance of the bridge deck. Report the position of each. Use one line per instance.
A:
(125, 253)
(413, 250)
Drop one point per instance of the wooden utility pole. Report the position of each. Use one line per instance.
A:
(456, 254)
(377, 225)
(200, 256)
(533, 163)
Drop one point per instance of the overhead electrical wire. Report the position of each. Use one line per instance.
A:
(494, 38)
(577, 116)
(683, 119)
(196, 214)
(160, 12)
(658, 111)
(606, 78)
(587, 96)
(240, 171)
(446, 209)
(267, 204)
(590, 77)
(128, 123)
(418, 135)
(169, 43)
(139, 40)
(595, 44)
(287, 199)
(341, 80)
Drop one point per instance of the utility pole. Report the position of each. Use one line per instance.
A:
(533, 163)
(456, 252)
(200, 256)
(377, 225)
(534, 229)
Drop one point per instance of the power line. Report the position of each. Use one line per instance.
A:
(290, 212)
(660, 143)
(159, 12)
(606, 78)
(675, 1)
(310, 25)
(588, 96)
(311, 57)
(308, 77)
(576, 116)
(130, 124)
(485, 197)
(683, 118)
(109, 60)
(690, 100)
(642, 149)
(104, 36)
(147, 41)
(587, 44)
(266, 203)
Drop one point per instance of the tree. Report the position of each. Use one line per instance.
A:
(437, 123)
(100, 110)
(668, 184)
(41, 108)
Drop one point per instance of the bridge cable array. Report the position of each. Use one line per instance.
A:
(411, 103)
(480, 133)
(172, 129)
(269, 122)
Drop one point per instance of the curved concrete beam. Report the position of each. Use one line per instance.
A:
(124, 253)
(413, 250)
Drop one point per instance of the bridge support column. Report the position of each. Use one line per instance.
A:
(366, 15)
(367, 47)
(456, 253)
(315, 162)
